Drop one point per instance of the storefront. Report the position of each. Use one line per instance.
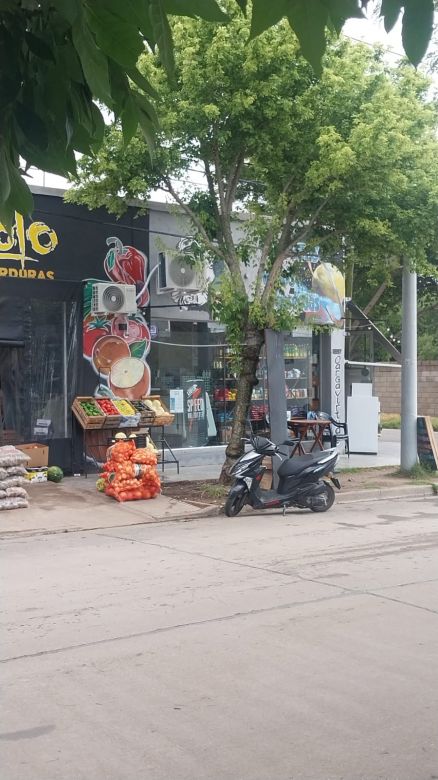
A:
(44, 335)
(55, 346)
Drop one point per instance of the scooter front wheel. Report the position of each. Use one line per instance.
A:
(323, 501)
(236, 500)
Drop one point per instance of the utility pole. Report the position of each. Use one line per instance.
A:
(409, 369)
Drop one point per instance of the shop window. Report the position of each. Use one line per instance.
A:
(38, 372)
(184, 360)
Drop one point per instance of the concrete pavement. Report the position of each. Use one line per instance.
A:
(260, 648)
(195, 468)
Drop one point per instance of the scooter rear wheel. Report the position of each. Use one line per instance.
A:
(330, 500)
(236, 501)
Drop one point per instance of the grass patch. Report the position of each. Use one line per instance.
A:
(215, 491)
(393, 421)
(361, 470)
(418, 473)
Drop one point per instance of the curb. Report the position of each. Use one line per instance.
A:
(349, 497)
(379, 494)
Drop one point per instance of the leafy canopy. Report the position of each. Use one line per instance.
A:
(58, 57)
(347, 163)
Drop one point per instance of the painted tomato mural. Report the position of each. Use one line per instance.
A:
(116, 345)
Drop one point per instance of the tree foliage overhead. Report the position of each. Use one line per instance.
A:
(347, 163)
(58, 57)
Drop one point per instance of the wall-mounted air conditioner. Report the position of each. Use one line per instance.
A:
(176, 272)
(111, 298)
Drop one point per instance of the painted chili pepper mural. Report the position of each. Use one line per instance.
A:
(116, 345)
(127, 265)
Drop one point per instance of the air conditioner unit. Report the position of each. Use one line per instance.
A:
(176, 272)
(114, 298)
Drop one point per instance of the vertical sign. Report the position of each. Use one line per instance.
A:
(337, 374)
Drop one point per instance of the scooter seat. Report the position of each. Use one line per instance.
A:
(295, 465)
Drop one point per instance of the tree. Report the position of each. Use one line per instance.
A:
(346, 163)
(378, 292)
(58, 57)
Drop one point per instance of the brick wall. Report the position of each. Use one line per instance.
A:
(386, 386)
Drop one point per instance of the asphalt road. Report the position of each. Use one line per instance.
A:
(260, 648)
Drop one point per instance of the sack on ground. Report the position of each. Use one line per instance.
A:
(12, 471)
(11, 482)
(10, 456)
(16, 491)
(13, 502)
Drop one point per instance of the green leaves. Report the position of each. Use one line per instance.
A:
(266, 14)
(5, 184)
(58, 57)
(14, 193)
(308, 19)
(417, 28)
(205, 9)
(390, 11)
(93, 61)
(162, 33)
(417, 24)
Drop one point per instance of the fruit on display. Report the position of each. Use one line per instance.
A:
(107, 406)
(107, 351)
(100, 485)
(130, 378)
(124, 407)
(130, 474)
(156, 406)
(55, 474)
(91, 408)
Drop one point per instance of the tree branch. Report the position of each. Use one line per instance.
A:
(376, 298)
(281, 257)
(194, 219)
(268, 241)
(225, 219)
(234, 180)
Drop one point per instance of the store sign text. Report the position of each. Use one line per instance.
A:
(337, 381)
(195, 409)
(38, 238)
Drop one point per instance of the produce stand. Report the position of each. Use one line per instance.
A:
(115, 415)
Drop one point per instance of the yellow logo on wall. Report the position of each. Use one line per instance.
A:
(38, 237)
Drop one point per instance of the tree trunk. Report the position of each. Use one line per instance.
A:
(254, 339)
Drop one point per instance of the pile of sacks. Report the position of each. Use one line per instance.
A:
(13, 478)
(129, 474)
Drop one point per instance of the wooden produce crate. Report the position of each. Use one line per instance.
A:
(124, 407)
(111, 420)
(163, 419)
(85, 420)
(147, 416)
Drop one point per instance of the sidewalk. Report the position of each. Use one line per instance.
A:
(76, 505)
(389, 455)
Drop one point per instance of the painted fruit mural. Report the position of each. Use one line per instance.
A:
(116, 345)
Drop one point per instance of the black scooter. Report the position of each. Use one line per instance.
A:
(301, 482)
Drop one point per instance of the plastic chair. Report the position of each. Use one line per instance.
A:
(332, 434)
